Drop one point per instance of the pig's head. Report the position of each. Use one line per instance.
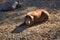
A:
(29, 20)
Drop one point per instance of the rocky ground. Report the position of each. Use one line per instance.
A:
(12, 27)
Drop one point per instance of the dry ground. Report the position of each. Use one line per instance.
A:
(12, 27)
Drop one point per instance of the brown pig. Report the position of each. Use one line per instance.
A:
(39, 15)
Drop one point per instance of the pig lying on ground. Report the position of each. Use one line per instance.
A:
(39, 15)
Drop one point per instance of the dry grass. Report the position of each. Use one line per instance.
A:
(11, 27)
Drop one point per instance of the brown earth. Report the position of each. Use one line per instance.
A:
(12, 27)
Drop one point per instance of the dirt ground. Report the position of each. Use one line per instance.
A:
(12, 27)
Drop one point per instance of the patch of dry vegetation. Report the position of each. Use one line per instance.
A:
(11, 27)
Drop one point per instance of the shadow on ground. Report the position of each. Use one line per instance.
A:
(20, 28)
(23, 26)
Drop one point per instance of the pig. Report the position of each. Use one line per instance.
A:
(37, 16)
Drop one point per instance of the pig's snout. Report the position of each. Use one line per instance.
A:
(29, 20)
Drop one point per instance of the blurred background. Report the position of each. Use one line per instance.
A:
(38, 3)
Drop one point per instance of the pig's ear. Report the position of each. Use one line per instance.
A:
(45, 15)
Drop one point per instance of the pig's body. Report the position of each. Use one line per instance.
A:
(37, 16)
